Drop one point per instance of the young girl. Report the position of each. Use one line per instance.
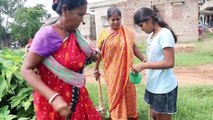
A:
(161, 90)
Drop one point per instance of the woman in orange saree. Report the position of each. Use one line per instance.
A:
(118, 49)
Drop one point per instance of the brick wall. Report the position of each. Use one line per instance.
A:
(182, 18)
(128, 9)
(87, 27)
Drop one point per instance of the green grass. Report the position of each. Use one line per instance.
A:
(191, 59)
(210, 35)
(202, 54)
(194, 103)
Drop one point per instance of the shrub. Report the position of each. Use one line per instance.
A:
(15, 95)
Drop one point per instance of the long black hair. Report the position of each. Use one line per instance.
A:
(144, 13)
(71, 4)
(112, 10)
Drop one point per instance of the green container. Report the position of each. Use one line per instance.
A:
(135, 78)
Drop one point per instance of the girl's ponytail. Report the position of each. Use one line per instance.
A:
(162, 23)
(143, 13)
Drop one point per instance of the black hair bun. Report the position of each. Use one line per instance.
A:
(54, 6)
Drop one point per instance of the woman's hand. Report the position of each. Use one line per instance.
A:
(137, 68)
(61, 106)
(94, 57)
(97, 75)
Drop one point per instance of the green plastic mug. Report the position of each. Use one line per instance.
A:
(135, 78)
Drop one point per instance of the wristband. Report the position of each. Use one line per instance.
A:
(52, 98)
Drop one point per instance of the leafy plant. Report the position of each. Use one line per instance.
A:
(5, 114)
(15, 94)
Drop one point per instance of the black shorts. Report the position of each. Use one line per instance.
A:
(162, 103)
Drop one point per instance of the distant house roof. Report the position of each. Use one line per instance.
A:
(208, 5)
(206, 12)
(104, 3)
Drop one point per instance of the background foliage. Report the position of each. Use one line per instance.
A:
(30, 20)
(18, 22)
(15, 94)
(8, 10)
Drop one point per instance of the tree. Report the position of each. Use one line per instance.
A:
(8, 9)
(27, 22)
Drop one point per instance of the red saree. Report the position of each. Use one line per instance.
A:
(70, 56)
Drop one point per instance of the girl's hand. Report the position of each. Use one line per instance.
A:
(61, 106)
(137, 68)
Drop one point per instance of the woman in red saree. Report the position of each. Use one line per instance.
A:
(118, 49)
(60, 53)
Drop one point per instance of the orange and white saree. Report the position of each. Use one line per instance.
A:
(117, 56)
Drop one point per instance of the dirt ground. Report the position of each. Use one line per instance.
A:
(186, 76)
(198, 75)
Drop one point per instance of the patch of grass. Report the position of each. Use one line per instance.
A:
(191, 59)
(142, 107)
(194, 103)
(210, 35)
(94, 94)
(141, 46)
(201, 55)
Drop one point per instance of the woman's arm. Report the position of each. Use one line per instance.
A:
(167, 62)
(100, 40)
(96, 68)
(31, 62)
(138, 53)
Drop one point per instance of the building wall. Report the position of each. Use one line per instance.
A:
(100, 10)
(182, 18)
(128, 9)
(93, 28)
(100, 19)
(87, 27)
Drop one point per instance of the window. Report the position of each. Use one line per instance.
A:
(104, 21)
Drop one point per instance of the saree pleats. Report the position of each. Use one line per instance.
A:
(117, 55)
